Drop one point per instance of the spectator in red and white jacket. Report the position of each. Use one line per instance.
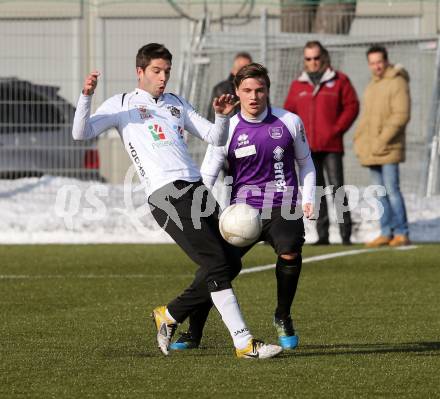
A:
(327, 103)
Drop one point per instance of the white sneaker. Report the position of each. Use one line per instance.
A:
(258, 350)
(165, 328)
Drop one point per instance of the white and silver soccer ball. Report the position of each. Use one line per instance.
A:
(240, 224)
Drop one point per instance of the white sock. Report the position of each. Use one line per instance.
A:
(172, 319)
(226, 303)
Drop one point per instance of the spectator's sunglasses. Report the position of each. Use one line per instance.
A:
(317, 58)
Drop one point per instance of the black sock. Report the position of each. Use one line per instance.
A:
(287, 272)
(197, 320)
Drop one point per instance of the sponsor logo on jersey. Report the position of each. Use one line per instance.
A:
(136, 160)
(280, 179)
(243, 139)
(276, 132)
(156, 132)
(174, 111)
(158, 136)
(278, 153)
(179, 130)
(245, 151)
(143, 111)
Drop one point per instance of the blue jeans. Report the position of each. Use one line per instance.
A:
(394, 220)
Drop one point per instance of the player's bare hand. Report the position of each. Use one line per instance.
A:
(90, 83)
(224, 104)
(308, 210)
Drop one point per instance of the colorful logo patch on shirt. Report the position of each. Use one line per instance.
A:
(276, 132)
(156, 132)
(143, 112)
(243, 139)
(278, 153)
(174, 111)
(179, 130)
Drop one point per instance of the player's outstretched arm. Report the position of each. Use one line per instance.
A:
(87, 127)
(224, 104)
(213, 133)
(90, 83)
(212, 164)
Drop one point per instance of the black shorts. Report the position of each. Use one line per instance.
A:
(202, 243)
(284, 235)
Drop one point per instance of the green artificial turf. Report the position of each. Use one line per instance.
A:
(75, 324)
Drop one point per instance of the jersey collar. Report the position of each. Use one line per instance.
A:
(148, 97)
(259, 119)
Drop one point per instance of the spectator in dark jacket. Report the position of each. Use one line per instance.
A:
(327, 103)
(227, 86)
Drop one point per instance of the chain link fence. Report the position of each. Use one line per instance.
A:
(49, 46)
(283, 57)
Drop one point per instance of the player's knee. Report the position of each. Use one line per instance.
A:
(289, 256)
(289, 263)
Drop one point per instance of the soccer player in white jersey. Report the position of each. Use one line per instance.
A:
(151, 124)
(263, 145)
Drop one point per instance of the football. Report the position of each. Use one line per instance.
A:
(240, 224)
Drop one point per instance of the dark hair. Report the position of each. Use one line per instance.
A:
(378, 49)
(253, 70)
(315, 43)
(152, 51)
(325, 56)
(243, 54)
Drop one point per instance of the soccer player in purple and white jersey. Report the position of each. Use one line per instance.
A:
(263, 146)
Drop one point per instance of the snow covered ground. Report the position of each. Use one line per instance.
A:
(60, 210)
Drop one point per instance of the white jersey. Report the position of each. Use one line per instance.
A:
(152, 133)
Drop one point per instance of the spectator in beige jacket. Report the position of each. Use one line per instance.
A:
(379, 141)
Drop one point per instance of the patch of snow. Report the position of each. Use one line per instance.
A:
(62, 210)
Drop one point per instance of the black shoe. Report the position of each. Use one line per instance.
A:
(322, 241)
(346, 241)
